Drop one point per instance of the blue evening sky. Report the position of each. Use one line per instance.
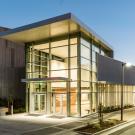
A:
(114, 20)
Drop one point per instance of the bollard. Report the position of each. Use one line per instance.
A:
(11, 109)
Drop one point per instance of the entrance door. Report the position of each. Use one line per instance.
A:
(40, 102)
(59, 104)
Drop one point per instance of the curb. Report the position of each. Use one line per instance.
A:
(131, 123)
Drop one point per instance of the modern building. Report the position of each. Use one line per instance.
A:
(69, 68)
(12, 69)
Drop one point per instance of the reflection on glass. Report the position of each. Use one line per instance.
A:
(84, 42)
(85, 64)
(93, 56)
(85, 52)
(94, 67)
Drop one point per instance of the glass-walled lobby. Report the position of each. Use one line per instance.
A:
(72, 58)
(62, 68)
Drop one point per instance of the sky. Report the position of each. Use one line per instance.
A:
(113, 20)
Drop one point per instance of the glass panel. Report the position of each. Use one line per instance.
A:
(60, 103)
(94, 97)
(60, 73)
(59, 43)
(73, 97)
(95, 48)
(94, 67)
(93, 56)
(46, 51)
(84, 42)
(59, 99)
(73, 41)
(39, 102)
(102, 52)
(85, 75)
(85, 52)
(73, 62)
(36, 106)
(73, 50)
(41, 46)
(42, 102)
(61, 52)
(85, 86)
(39, 87)
(94, 77)
(85, 64)
(58, 65)
(73, 74)
(85, 103)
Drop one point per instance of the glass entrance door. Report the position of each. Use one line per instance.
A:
(40, 102)
(59, 104)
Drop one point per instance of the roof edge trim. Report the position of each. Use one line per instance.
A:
(40, 23)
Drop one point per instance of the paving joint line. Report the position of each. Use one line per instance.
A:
(80, 120)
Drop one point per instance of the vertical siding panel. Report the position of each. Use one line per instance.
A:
(10, 76)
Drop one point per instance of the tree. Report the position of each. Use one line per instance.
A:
(100, 113)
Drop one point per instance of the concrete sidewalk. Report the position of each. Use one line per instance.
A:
(23, 124)
(129, 117)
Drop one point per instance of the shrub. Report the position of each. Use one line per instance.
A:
(115, 108)
(18, 104)
(19, 110)
(97, 126)
(3, 102)
(112, 122)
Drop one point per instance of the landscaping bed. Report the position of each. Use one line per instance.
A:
(96, 127)
(109, 109)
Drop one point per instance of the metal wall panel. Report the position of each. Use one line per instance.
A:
(11, 71)
(110, 70)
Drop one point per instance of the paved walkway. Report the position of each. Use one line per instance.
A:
(23, 124)
(65, 128)
(130, 131)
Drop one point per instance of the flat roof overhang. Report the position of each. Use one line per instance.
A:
(50, 28)
(47, 79)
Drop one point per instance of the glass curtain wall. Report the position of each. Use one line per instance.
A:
(52, 59)
(72, 57)
(89, 90)
(36, 67)
(85, 77)
(89, 99)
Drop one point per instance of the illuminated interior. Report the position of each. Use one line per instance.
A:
(73, 58)
(63, 47)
